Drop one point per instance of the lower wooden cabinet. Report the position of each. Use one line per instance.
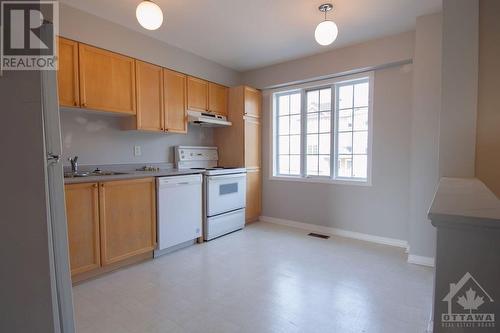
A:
(253, 195)
(82, 211)
(109, 224)
(128, 218)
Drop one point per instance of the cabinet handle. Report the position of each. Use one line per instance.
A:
(75, 103)
(94, 186)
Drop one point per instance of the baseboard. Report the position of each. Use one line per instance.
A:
(420, 260)
(337, 232)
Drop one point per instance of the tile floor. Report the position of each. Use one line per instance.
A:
(266, 278)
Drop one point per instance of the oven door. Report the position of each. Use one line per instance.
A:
(225, 193)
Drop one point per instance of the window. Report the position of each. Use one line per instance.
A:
(323, 132)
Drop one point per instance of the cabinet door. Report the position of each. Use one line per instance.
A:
(82, 212)
(174, 91)
(253, 196)
(197, 91)
(128, 218)
(107, 80)
(252, 143)
(217, 98)
(67, 75)
(149, 82)
(252, 102)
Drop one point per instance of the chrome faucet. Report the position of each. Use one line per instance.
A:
(74, 164)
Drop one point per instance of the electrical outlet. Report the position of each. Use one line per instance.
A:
(137, 151)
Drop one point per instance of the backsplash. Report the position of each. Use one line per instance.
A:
(98, 140)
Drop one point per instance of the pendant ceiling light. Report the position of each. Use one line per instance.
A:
(149, 15)
(326, 32)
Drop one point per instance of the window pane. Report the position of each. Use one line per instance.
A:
(345, 143)
(360, 166)
(312, 123)
(345, 97)
(324, 144)
(295, 104)
(344, 166)
(295, 144)
(284, 125)
(361, 119)
(284, 145)
(295, 164)
(295, 124)
(312, 144)
(360, 144)
(361, 94)
(325, 100)
(312, 101)
(284, 105)
(345, 120)
(325, 122)
(284, 164)
(312, 165)
(324, 165)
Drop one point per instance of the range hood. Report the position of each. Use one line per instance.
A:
(206, 119)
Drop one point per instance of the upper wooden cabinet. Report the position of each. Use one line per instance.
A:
(217, 98)
(67, 75)
(149, 85)
(128, 218)
(107, 80)
(174, 92)
(252, 102)
(252, 140)
(82, 212)
(197, 92)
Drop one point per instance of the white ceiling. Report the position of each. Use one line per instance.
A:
(244, 35)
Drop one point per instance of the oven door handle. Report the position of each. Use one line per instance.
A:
(222, 177)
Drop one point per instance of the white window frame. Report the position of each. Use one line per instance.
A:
(303, 88)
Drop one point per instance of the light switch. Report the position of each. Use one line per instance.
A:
(137, 151)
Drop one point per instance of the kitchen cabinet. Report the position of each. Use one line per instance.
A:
(240, 144)
(149, 87)
(107, 80)
(82, 212)
(67, 75)
(217, 98)
(110, 224)
(128, 218)
(197, 92)
(174, 92)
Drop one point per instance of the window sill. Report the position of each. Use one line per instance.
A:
(324, 180)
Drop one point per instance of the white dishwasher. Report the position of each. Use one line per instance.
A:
(179, 206)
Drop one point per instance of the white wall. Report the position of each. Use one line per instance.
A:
(457, 142)
(381, 209)
(425, 133)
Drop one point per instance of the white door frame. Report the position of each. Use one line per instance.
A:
(57, 227)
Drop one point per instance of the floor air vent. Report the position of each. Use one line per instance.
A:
(313, 234)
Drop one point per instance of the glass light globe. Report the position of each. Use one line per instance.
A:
(326, 32)
(149, 15)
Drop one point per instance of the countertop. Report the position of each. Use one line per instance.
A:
(131, 175)
(465, 201)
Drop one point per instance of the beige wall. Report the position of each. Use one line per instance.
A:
(457, 133)
(84, 27)
(369, 54)
(424, 169)
(488, 120)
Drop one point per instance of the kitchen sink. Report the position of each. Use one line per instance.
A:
(95, 173)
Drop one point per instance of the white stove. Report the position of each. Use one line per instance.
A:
(224, 194)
